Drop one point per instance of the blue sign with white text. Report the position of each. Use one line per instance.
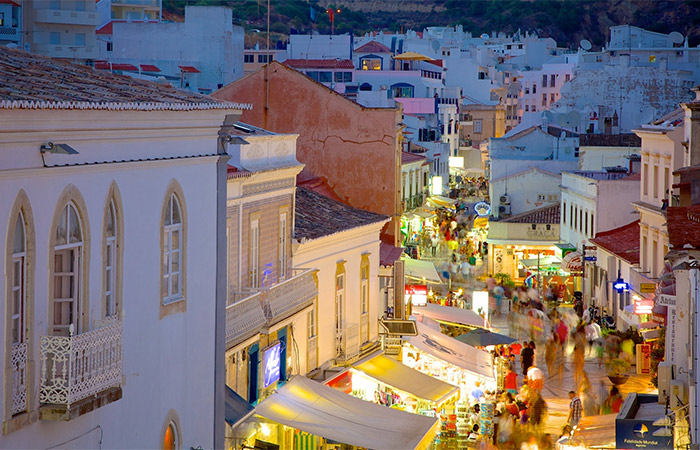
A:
(271, 364)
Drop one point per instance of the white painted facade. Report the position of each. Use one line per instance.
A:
(592, 202)
(523, 191)
(138, 160)
(333, 255)
(206, 40)
(318, 46)
(662, 154)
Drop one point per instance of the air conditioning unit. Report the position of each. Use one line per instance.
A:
(666, 372)
(504, 210)
(679, 394)
(504, 200)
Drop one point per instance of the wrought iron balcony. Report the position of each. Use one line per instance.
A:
(255, 308)
(347, 343)
(76, 367)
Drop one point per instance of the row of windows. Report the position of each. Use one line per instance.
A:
(327, 76)
(578, 220)
(262, 59)
(659, 187)
(55, 38)
(69, 261)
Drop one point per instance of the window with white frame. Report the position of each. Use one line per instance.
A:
(67, 276)
(339, 302)
(172, 251)
(478, 125)
(282, 264)
(110, 261)
(254, 252)
(18, 313)
(364, 289)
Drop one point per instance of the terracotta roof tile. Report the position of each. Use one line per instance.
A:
(547, 214)
(622, 241)
(683, 224)
(373, 47)
(316, 216)
(388, 254)
(407, 157)
(320, 63)
(29, 81)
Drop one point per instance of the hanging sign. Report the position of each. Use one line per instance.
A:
(643, 306)
(482, 209)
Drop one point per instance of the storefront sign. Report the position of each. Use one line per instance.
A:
(666, 300)
(456, 162)
(647, 288)
(550, 234)
(643, 359)
(417, 294)
(480, 303)
(482, 209)
(271, 364)
(436, 188)
(643, 306)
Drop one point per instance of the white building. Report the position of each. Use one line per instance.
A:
(524, 191)
(592, 202)
(202, 54)
(342, 244)
(106, 270)
(318, 46)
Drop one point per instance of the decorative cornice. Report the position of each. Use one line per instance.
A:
(275, 185)
(121, 106)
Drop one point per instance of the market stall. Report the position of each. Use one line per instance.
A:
(305, 409)
(386, 381)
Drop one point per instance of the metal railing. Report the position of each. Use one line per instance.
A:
(19, 377)
(347, 342)
(253, 308)
(79, 366)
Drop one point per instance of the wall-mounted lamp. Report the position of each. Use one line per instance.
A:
(56, 149)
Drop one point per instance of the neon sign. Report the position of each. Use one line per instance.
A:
(271, 364)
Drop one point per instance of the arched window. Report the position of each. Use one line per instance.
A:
(172, 251)
(365, 87)
(110, 261)
(18, 311)
(67, 274)
(170, 441)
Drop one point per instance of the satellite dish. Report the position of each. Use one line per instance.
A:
(586, 44)
(676, 37)
(574, 118)
(646, 115)
(563, 119)
(435, 45)
(484, 36)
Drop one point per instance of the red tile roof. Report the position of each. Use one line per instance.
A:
(622, 242)
(189, 69)
(373, 47)
(106, 65)
(407, 157)
(106, 29)
(30, 81)
(388, 254)
(149, 68)
(546, 214)
(316, 216)
(320, 63)
(683, 224)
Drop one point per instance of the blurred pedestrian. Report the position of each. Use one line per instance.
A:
(575, 410)
(537, 410)
(527, 356)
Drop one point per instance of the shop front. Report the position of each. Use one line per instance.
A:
(304, 414)
(385, 381)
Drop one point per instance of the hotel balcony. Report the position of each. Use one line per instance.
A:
(255, 309)
(80, 373)
(10, 34)
(148, 4)
(67, 51)
(64, 17)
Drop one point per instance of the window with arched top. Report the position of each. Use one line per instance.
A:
(110, 260)
(172, 251)
(170, 437)
(67, 273)
(18, 316)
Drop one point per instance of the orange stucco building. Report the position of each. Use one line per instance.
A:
(354, 148)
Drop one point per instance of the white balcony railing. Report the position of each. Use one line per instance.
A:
(78, 366)
(254, 308)
(19, 377)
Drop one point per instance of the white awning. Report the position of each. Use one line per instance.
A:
(421, 270)
(323, 411)
(391, 372)
(450, 314)
(440, 200)
(452, 351)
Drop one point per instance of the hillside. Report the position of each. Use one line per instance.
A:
(567, 21)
